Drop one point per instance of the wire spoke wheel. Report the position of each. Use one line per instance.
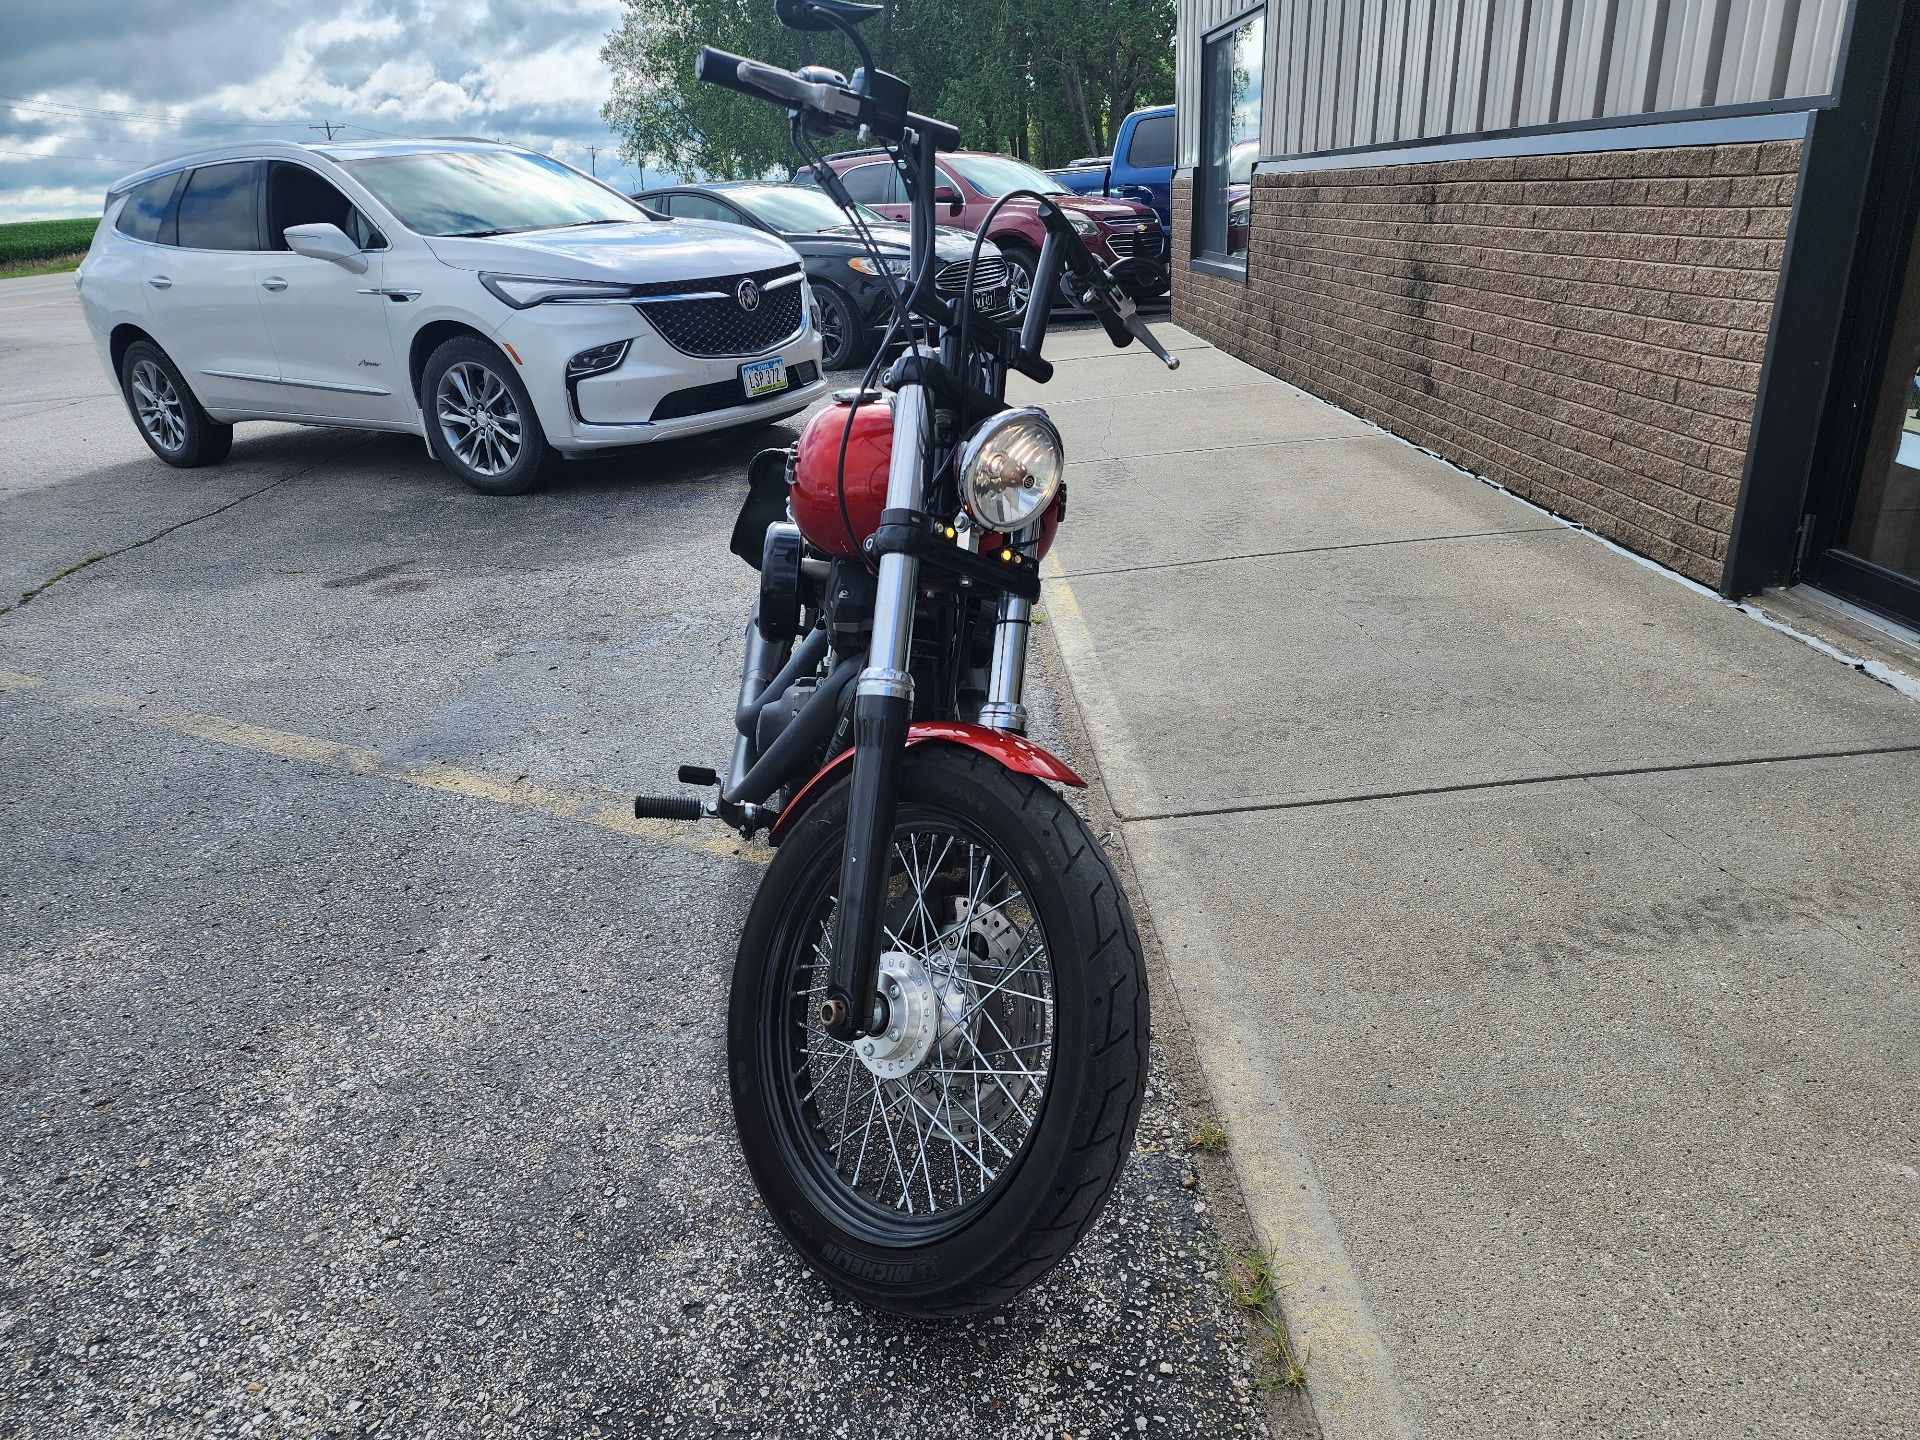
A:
(478, 418)
(920, 1121)
(944, 1163)
(158, 406)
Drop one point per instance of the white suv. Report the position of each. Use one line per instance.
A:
(503, 305)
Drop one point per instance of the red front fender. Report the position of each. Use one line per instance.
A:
(1016, 752)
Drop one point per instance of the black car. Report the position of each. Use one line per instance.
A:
(852, 298)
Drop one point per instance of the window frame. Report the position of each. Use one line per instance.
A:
(1202, 257)
(266, 206)
(1170, 122)
(899, 185)
(259, 205)
(169, 214)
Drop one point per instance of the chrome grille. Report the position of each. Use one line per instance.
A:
(951, 278)
(1141, 244)
(703, 317)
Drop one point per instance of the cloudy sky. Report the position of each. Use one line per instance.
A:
(92, 89)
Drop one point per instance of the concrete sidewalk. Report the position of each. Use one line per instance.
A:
(1547, 927)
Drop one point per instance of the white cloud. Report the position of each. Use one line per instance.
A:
(227, 70)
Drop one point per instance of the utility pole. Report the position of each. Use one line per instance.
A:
(593, 156)
(329, 126)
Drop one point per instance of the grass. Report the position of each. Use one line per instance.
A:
(1252, 1285)
(44, 247)
(1209, 1135)
(26, 241)
(59, 265)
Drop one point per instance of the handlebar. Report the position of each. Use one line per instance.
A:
(822, 100)
(837, 105)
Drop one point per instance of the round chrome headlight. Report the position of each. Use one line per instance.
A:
(1010, 469)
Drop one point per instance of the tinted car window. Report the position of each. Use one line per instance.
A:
(793, 210)
(297, 196)
(1152, 143)
(876, 184)
(145, 214)
(219, 209)
(699, 207)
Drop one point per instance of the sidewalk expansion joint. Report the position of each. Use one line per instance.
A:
(1237, 445)
(1314, 550)
(1514, 782)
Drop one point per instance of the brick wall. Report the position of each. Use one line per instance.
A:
(1586, 330)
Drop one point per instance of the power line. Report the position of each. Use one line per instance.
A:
(44, 155)
(90, 139)
(21, 102)
(329, 126)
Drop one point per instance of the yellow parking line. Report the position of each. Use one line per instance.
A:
(561, 800)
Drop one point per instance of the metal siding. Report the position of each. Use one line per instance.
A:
(1415, 68)
(1816, 46)
(1341, 73)
(1345, 129)
(1503, 63)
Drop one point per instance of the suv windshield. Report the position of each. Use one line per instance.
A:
(794, 208)
(487, 192)
(995, 175)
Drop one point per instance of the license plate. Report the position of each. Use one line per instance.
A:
(764, 377)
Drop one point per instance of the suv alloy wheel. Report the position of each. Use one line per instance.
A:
(479, 420)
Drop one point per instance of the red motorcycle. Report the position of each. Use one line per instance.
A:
(938, 1027)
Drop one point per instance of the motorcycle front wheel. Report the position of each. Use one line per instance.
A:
(941, 1167)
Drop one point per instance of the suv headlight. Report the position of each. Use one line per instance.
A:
(1083, 224)
(1010, 469)
(522, 291)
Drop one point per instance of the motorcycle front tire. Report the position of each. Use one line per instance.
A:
(1067, 1164)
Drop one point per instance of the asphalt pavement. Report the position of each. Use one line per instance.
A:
(361, 1066)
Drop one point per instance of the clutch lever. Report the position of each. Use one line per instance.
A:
(1119, 316)
(1146, 338)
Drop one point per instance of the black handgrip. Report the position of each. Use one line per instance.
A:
(722, 68)
(942, 135)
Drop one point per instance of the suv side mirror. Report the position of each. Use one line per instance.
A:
(326, 242)
(948, 196)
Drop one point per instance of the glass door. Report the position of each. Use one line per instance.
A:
(1862, 538)
(1885, 530)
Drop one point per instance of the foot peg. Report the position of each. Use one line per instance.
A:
(667, 807)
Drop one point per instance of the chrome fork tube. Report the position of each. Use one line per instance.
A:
(1007, 675)
(882, 710)
(899, 575)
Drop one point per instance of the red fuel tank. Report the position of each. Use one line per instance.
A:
(816, 495)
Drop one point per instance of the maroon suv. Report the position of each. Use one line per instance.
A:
(1119, 232)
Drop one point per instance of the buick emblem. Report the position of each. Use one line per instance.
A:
(747, 295)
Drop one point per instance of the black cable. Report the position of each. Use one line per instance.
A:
(863, 232)
(973, 264)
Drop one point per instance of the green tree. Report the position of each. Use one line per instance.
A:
(1044, 79)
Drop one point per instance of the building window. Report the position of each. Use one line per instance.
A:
(1230, 85)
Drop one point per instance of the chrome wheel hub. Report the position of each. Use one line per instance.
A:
(158, 405)
(924, 1117)
(478, 418)
(914, 1011)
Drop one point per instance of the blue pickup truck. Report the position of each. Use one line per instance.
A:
(1140, 168)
